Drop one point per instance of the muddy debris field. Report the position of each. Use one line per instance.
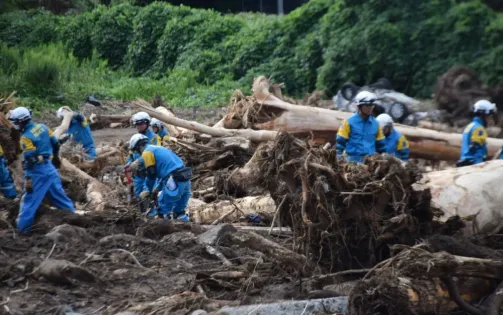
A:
(278, 225)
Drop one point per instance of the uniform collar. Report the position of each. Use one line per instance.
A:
(28, 125)
(479, 120)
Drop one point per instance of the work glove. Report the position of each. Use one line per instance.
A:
(144, 195)
(56, 162)
(28, 185)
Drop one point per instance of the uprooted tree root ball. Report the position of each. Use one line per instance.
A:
(344, 215)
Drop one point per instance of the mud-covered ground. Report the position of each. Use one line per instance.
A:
(162, 259)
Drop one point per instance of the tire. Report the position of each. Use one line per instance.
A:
(398, 112)
(349, 90)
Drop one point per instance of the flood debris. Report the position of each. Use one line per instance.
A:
(279, 225)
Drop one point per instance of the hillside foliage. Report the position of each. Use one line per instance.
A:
(189, 56)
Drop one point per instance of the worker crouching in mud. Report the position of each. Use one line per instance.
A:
(134, 162)
(361, 135)
(396, 143)
(158, 128)
(80, 131)
(473, 144)
(6, 183)
(40, 160)
(172, 179)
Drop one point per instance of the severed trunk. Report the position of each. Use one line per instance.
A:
(471, 192)
(230, 211)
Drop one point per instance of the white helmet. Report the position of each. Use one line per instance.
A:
(61, 111)
(484, 107)
(365, 97)
(19, 115)
(140, 117)
(385, 120)
(156, 123)
(136, 139)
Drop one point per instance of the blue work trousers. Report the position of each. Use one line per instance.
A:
(46, 183)
(6, 183)
(175, 201)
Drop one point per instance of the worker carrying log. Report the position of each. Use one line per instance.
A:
(158, 128)
(134, 162)
(361, 135)
(40, 159)
(473, 144)
(6, 183)
(172, 189)
(396, 143)
(80, 131)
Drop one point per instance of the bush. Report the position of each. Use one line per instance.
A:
(77, 33)
(28, 28)
(149, 26)
(112, 33)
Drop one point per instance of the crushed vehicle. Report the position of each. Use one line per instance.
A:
(398, 105)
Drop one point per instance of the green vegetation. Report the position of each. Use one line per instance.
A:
(198, 57)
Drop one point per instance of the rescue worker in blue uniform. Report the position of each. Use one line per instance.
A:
(6, 183)
(361, 135)
(473, 143)
(40, 160)
(158, 128)
(396, 143)
(172, 179)
(134, 162)
(80, 131)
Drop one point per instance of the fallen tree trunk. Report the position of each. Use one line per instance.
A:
(301, 119)
(252, 135)
(174, 131)
(471, 192)
(206, 214)
(272, 249)
(95, 189)
(65, 124)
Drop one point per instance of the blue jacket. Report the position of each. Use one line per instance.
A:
(81, 132)
(153, 139)
(37, 140)
(164, 160)
(397, 144)
(473, 144)
(360, 137)
(164, 135)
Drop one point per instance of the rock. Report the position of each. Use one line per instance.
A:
(66, 233)
(63, 272)
(330, 305)
(184, 238)
(212, 236)
(120, 272)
